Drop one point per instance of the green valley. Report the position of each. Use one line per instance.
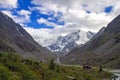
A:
(13, 67)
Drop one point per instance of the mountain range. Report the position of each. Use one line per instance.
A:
(81, 47)
(66, 43)
(13, 38)
(102, 49)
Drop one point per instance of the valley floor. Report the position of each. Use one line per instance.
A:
(13, 67)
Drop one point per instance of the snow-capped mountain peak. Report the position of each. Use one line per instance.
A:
(70, 41)
(64, 43)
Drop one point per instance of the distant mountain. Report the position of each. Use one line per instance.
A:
(70, 41)
(44, 41)
(13, 38)
(102, 49)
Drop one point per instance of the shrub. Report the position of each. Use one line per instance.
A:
(100, 69)
(4, 73)
(52, 65)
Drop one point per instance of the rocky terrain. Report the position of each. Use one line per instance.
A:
(64, 44)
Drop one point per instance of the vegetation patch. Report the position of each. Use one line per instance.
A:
(13, 67)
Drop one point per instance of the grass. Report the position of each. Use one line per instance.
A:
(13, 67)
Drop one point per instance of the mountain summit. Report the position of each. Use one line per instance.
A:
(70, 41)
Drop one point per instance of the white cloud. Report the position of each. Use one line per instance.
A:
(45, 21)
(92, 22)
(8, 3)
(44, 36)
(75, 16)
(42, 10)
(24, 12)
(24, 16)
(75, 12)
(41, 20)
(8, 13)
(116, 9)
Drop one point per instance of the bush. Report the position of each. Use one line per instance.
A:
(57, 68)
(100, 69)
(4, 73)
(52, 65)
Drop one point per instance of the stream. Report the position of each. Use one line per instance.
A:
(116, 74)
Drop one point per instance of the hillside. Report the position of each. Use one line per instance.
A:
(103, 48)
(13, 38)
(13, 67)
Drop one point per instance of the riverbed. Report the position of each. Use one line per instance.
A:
(116, 74)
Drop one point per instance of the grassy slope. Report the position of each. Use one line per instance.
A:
(13, 67)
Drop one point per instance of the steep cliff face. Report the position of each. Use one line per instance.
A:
(103, 48)
(15, 39)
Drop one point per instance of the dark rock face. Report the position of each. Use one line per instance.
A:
(103, 48)
(114, 26)
(13, 36)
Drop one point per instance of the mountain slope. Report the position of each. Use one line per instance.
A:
(14, 38)
(70, 41)
(103, 48)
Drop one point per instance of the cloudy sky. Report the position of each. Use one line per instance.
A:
(58, 17)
